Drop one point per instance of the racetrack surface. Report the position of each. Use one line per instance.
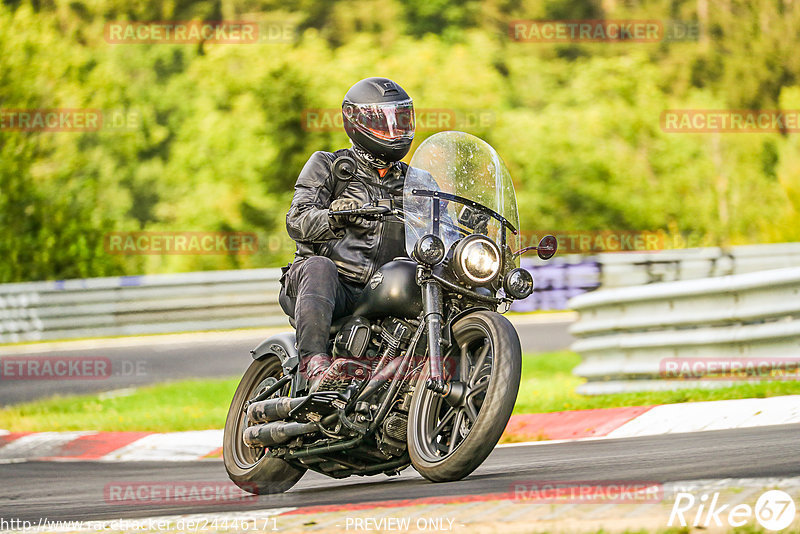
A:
(75, 490)
(151, 359)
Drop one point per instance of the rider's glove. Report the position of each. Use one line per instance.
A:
(340, 221)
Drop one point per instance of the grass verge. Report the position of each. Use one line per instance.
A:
(547, 386)
(168, 407)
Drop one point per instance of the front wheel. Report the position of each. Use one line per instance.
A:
(448, 438)
(251, 469)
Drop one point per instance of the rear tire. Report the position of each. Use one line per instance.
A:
(447, 442)
(249, 468)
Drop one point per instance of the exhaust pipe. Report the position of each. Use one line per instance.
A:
(276, 432)
(272, 409)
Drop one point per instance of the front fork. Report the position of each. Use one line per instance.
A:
(432, 306)
(452, 390)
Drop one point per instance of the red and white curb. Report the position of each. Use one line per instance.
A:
(548, 427)
(110, 446)
(508, 512)
(655, 420)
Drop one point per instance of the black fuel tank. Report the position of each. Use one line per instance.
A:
(392, 291)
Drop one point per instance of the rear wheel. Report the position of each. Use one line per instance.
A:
(250, 468)
(449, 438)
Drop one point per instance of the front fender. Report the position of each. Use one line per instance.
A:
(284, 346)
(447, 331)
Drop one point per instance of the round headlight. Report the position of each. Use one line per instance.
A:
(429, 249)
(476, 260)
(518, 284)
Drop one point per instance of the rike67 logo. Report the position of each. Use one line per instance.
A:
(774, 510)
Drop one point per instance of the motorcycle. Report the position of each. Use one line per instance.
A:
(427, 369)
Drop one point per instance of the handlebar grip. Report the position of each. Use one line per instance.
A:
(369, 210)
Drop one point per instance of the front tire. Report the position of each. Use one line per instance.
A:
(249, 468)
(447, 442)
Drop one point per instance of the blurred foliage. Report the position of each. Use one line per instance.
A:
(214, 134)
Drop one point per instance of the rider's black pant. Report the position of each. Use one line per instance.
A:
(314, 295)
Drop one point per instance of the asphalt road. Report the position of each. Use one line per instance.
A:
(75, 491)
(146, 360)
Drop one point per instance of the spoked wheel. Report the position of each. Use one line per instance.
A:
(250, 468)
(449, 437)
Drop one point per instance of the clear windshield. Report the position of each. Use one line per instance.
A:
(461, 164)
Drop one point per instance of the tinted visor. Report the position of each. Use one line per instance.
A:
(390, 121)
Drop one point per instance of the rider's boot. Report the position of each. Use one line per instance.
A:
(317, 368)
(336, 375)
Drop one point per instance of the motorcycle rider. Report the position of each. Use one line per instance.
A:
(337, 255)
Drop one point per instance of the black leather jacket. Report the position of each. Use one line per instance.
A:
(357, 251)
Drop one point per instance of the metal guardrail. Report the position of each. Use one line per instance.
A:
(626, 334)
(131, 305)
(564, 277)
(217, 300)
(637, 268)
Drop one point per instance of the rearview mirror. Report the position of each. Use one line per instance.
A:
(344, 168)
(548, 246)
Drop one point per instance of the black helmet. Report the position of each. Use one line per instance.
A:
(379, 117)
